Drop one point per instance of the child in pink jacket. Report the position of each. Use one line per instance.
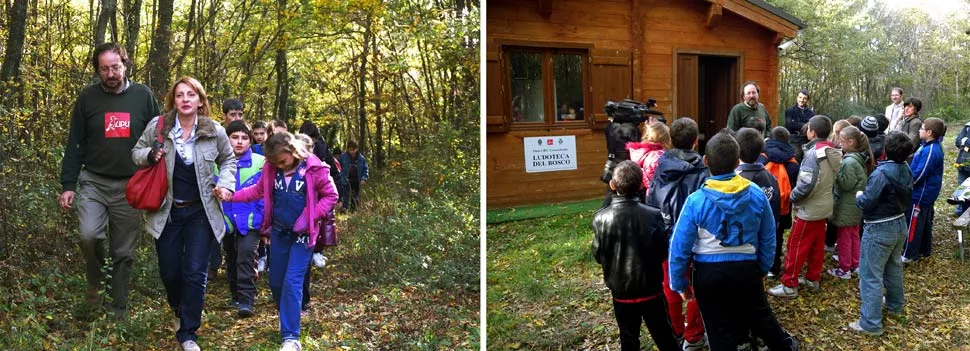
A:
(298, 193)
(646, 154)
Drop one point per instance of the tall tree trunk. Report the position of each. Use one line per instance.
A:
(14, 50)
(108, 9)
(132, 16)
(378, 112)
(189, 27)
(282, 85)
(282, 72)
(362, 89)
(158, 57)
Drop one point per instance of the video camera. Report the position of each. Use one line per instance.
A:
(632, 111)
(624, 127)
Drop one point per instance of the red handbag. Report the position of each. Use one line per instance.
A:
(147, 187)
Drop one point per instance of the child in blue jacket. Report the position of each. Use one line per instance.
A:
(243, 220)
(927, 168)
(727, 230)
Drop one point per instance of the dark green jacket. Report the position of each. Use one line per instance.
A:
(850, 179)
(743, 116)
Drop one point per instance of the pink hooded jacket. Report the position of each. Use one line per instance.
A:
(646, 155)
(321, 196)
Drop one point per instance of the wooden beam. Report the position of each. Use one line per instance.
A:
(763, 17)
(713, 14)
(545, 8)
(637, 26)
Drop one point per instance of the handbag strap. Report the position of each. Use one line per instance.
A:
(158, 129)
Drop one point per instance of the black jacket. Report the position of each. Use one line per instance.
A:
(887, 193)
(629, 242)
(756, 173)
(795, 118)
(679, 173)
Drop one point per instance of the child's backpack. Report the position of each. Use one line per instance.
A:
(784, 184)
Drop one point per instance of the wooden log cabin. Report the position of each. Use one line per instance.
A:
(551, 65)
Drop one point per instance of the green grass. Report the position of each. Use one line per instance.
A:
(539, 211)
(546, 292)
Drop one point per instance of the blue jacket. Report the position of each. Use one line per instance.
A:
(887, 191)
(962, 143)
(728, 220)
(927, 168)
(679, 173)
(245, 216)
(362, 172)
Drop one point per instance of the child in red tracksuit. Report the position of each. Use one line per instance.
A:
(812, 203)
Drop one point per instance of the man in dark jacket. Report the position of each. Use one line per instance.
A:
(630, 243)
(680, 172)
(795, 117)
(106, 122)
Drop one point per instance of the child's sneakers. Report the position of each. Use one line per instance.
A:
(190, 345)
(695, 346)
(291, 345)
(812, 286)
(839, 273)
(783, 291)
(856, 327)
(319, 260)
(261, 264)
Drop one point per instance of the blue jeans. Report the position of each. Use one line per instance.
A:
(881, 264)
(183, 258)
(290, 259)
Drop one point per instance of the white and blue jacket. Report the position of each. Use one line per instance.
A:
(728, 219)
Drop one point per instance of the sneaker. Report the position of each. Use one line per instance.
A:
(244, 311)
(856, 327)
(319, 260)
(261, 264)
(177, 322)
(771, 275)
(855, 270)
(781, 290)
(698, 345)
(829, 248)
(839, 273)
(190, 345)
(291, 345)
(907, 261)
(812, 286)
(835, 257)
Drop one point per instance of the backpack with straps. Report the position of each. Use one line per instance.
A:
(784, 184)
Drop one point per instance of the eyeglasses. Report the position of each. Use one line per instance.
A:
(116, 68)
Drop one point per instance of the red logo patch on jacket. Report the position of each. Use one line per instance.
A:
(117, 124)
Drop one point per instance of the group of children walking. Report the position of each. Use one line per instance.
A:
(710, 228)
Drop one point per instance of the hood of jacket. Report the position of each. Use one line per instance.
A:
(676, 164)
(729, 195)
(779, 152)
(639, 149)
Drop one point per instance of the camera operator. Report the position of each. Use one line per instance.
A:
(624, 126)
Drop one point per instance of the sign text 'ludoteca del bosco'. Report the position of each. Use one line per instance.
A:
(550, 153)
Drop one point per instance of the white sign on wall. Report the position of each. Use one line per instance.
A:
(550, 153)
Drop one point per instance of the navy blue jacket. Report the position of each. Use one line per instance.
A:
(795, 118)
(887, 191)
(362, 172)
(679, 173)
(779, 152)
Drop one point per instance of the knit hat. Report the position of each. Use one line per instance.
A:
(870, 126)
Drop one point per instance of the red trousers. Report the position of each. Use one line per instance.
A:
(805, 243)
(694, 331)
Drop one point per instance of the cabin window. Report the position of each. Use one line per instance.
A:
(547, 85)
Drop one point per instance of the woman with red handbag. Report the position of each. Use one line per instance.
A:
(190, 220)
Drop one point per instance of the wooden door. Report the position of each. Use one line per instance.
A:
(687, 84)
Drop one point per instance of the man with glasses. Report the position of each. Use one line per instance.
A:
(107, 119)
(749, 112)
